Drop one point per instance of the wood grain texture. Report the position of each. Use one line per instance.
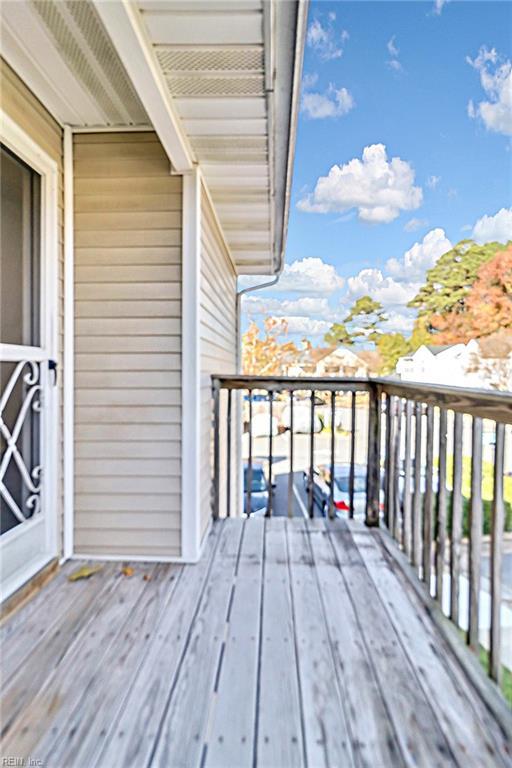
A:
(291, 642)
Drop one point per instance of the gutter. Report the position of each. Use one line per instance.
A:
(239, 295)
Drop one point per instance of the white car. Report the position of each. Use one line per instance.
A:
(301, 419)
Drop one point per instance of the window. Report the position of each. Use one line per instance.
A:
(20, 261)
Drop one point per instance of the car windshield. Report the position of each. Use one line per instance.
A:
(343, 484)
(258, 483)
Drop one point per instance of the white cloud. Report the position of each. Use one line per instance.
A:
(309, 80)
(388, 291)
(377, 187)
(334, 103)
(433, 181)
(324, 40)
(392, 49)
(420, 257)
(265, 305)
(413, 224)
(496, 81)
(400, 322)
(395, 64)
(494, 228)
(305, 326)
(438, 6)
(310, 275)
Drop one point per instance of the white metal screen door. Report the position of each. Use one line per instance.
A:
(27, 467)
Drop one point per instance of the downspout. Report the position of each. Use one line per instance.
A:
(239, 313)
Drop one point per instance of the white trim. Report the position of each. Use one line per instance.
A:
(24, 147)
(124, 25)
(112, 128)
(191, 368)
(68, 356)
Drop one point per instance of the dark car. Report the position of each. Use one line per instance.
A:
(259, 489)
(341, 496)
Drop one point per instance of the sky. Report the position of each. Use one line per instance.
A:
(404, 148)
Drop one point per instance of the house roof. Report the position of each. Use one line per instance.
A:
(436, 349)
(218, 81)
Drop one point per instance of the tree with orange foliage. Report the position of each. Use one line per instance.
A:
(266, 355)
(487, 306)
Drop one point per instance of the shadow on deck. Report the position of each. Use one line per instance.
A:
(291, 643)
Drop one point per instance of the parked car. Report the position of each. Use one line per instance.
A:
(261, 425)
(341, 496)
(259, 489)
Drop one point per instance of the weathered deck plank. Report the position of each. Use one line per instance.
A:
(231, 734)
(182, 735)
(373, 737)
(280, 728)
(326, 731)
(291, 643)
(419, 736)
(133, 735)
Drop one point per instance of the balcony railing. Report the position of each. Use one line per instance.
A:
(429, 474)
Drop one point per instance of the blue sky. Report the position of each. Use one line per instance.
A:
(410, 104)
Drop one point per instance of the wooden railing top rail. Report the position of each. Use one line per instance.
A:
(476, 402)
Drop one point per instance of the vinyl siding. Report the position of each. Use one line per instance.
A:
(22, 106)
(218, 331)
(127, 347)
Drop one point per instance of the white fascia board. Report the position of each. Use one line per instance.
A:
(124, 25)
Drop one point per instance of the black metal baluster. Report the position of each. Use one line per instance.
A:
(333, 448)
(417, 497)
(475, 533)
(441, 505)
(428, 501)
(407, 499)
(497, 526)
(311, 456)
(397, 436)
(456, 527)
(351, 479)
(270, 454)
(249, 467)
(290, 474)
(373, 457)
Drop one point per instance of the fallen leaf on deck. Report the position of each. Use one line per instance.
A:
(146, 577)
(127, 571)
(85, 572)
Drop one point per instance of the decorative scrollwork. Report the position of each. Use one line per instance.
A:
(31, 402)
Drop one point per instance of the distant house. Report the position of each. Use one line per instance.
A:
(462, 365)
(329, 361)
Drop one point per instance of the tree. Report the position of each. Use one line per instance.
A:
(361, 322)
(420, 334)
(451, 279)
(365, 316)
(487, 306)
(266, 355)
(338, 335)
(391, 346)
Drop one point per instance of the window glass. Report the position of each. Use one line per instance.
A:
(19, 252)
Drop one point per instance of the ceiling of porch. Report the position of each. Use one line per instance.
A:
(226, 70)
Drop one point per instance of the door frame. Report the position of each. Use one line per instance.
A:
(24, 147)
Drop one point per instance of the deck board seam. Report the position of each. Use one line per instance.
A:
(407, 656)
(260, 647)
(114, 721)
(296, 648)
(339, 685)
(183, 654)
(453, 673)
(92, 610)
(369, 657)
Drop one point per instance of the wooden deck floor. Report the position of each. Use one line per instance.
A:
(291, 643)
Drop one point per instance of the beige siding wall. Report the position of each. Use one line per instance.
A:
(127, 347)
(22, 106)
(218, 340)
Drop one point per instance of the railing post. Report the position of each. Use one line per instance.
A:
(373, 470)
(497, 525)
(475, 534)
(216, 449)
